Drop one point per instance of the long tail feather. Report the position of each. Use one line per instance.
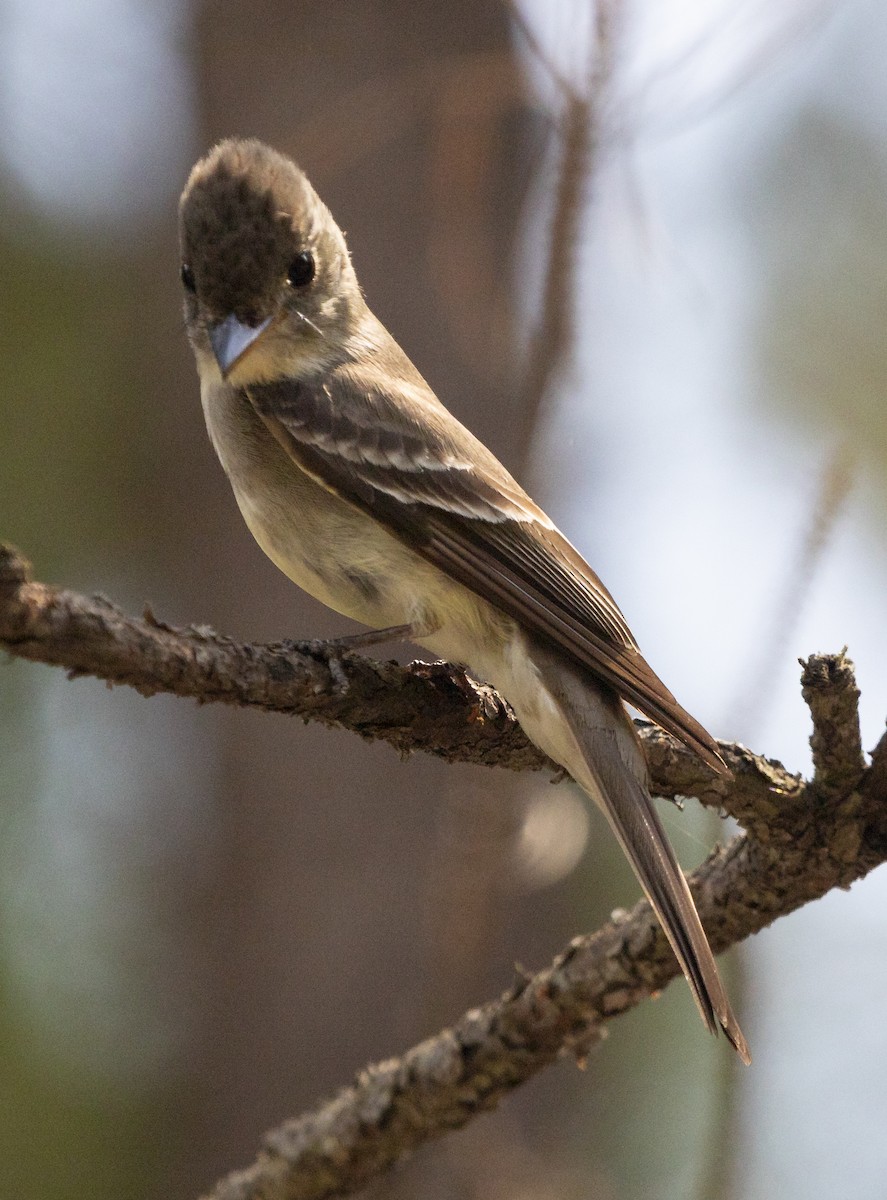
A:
(635, 821)
(607, 761)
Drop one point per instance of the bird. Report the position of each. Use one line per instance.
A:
(370, 495)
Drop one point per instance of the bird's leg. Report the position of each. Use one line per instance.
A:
(374, 637)
(422, 627)
(331, 649)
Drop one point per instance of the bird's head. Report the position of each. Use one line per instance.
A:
(269, 287)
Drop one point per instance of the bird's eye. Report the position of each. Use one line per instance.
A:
(188, 281)
(301, 269)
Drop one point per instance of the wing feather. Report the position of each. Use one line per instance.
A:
(407, 461)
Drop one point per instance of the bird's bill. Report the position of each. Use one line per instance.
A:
(231, 339)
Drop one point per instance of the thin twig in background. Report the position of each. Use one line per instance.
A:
(582, 133)
(836, 480)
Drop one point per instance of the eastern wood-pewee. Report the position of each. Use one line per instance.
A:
(365, 491)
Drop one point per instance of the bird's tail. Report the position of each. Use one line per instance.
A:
(606, 759)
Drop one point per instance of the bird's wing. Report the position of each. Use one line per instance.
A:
(390, 448)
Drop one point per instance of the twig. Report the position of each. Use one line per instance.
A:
(829, 688)
(582, 132)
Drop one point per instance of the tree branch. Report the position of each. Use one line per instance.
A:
(429, 706)
(433, 707)
(802, 840)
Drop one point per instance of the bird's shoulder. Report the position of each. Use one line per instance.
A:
(373, 417)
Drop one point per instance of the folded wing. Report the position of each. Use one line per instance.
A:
(391, 449)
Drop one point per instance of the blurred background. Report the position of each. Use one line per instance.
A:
(641, 249)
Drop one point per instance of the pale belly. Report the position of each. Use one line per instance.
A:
(337, 553)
